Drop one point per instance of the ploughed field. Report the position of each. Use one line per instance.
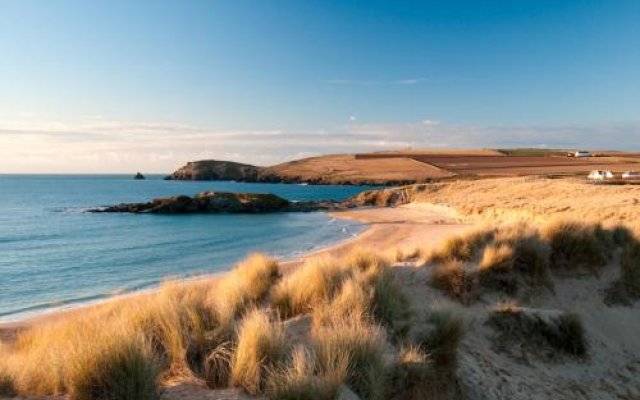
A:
(409, 166)
(473, 164)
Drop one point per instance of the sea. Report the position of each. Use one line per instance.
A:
(55, 255)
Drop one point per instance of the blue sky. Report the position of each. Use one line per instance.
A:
(115, 86)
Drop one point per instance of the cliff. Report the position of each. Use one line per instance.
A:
(213, 170)
(343, 169)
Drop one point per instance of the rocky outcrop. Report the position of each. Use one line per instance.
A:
(213, 170)
(389, 197)
(254, 203)
(206, 202)
(139, 177)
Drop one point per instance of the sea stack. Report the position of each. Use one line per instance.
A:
(139, 177)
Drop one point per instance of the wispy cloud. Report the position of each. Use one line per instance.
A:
(361, 82)
(101, 145)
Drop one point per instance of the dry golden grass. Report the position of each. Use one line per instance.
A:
(362, 344)
(120, 368)
(316, 281)
(457, 279)
(366, 262)
(167, 335)
(398, 254)
(85, 359)
(303, 377)
(503, 200)
(217, 366)
(260, 346)
(577, 244)
(512, 256)
(244, 286)
(222, 332)
(462, 247)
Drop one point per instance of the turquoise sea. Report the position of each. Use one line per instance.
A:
(53, 254)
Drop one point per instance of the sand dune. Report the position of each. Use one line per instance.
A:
(489, 368)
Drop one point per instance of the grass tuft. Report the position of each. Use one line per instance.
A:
(120, 369)
(318, 280)
(538, 332)
(217, 366)
(457, 279)
(363, 346)
(577, 245)
(462, 247)
(391, 306)
(442, 342)
(244, 286)
(303, 377)
(261, 345)
(517, 254)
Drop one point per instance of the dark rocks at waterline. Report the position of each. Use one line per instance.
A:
(139, 177)
(255, 203)
(221, 202)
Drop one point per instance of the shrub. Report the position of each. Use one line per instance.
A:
(363, 346)
(121, 368)
(304, 378)
(457, 279)
(577, 245)
(626, 289)
(537, 331)
(442, 341)
(317, 281)
(261, 345)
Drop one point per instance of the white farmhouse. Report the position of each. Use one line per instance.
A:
(581, 154)
(600, 175)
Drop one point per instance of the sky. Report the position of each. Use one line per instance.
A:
(123, 86)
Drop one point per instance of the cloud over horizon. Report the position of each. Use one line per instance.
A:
(95, 145)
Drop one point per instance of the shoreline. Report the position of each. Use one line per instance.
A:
(411, 225)
(287, 263)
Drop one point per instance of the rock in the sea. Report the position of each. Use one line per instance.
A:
(254, 203)
(206, 202)
(213, 170)
(139, 176)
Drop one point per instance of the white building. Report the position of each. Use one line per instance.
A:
(600, 175)
(581, 154)
(631, 175)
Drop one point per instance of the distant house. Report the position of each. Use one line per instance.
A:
(631, 175)
(581, 154)
(600, 175)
